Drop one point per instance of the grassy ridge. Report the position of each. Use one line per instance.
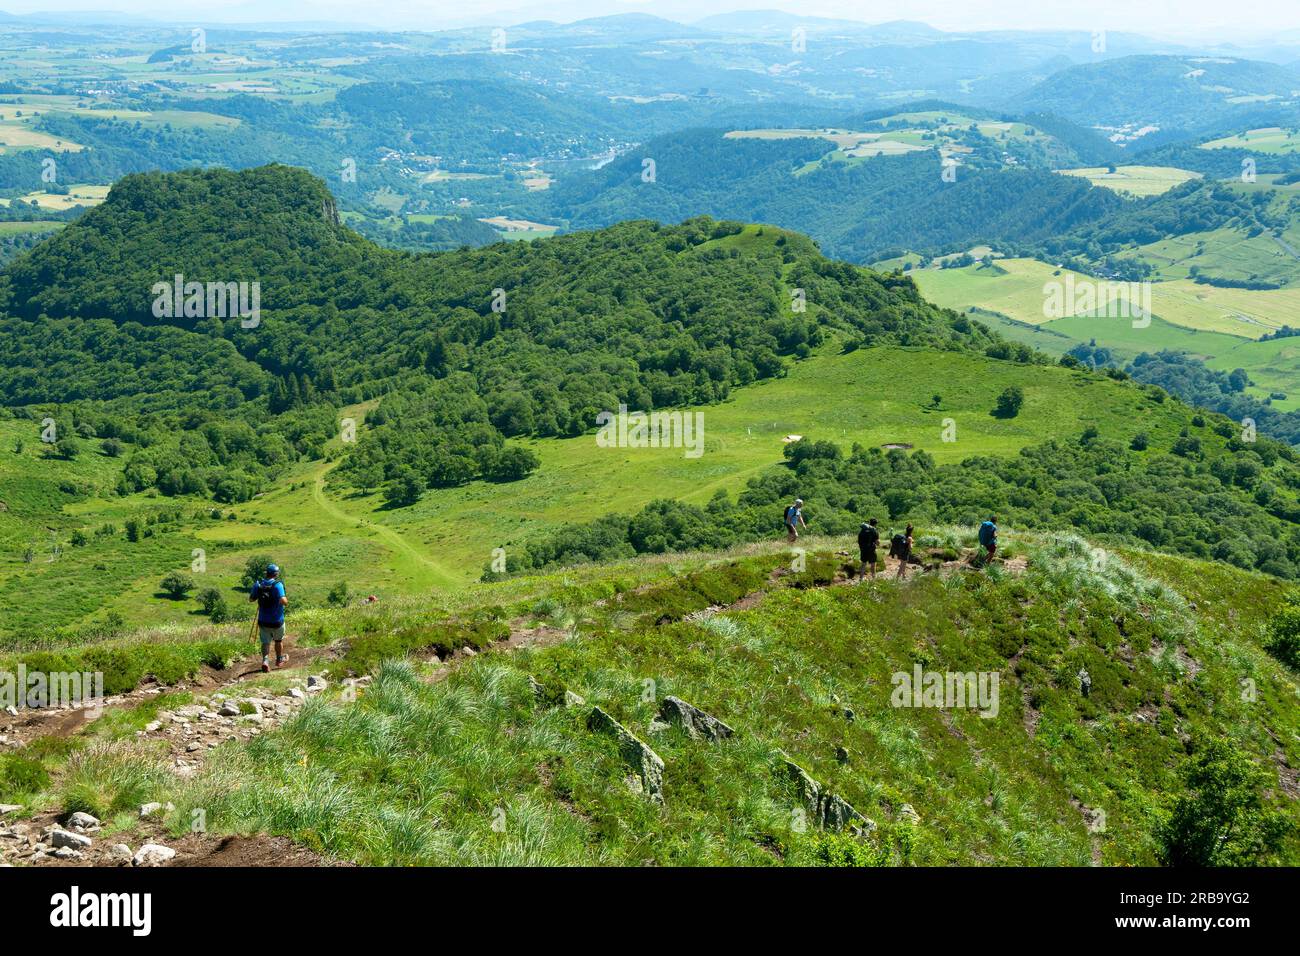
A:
(474, 770)
(322, 534)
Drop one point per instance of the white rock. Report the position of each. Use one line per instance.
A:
(152, 854)
(83, 821)
(315, 683)
(9, 808)
(153, 726)
(230, 709)
(67, 853)
(149, 809)
(76, 841)
(296, 692)
(119, 851)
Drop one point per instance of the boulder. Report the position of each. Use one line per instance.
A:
(315, 683)
(695, 722)
(829, 811)
(649, 778)
(64, 838)
(120, 852)
(152, 854)
(9, 808)
(83, 821)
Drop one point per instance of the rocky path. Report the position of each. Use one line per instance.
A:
(235, 705)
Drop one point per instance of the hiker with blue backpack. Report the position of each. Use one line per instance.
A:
(989, 538)
(268, 592)
(794, 518)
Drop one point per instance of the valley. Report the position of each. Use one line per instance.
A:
(551, 372)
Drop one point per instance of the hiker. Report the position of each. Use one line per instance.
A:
(989, 538)
(1085, 682)
(271, 602)
(793, 518)
(901, 547)
(868, 540)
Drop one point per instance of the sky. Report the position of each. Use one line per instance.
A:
(1173, 19)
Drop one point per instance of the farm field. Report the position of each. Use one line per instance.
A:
(1015, 288)
(1134, 180)
(1268, 139)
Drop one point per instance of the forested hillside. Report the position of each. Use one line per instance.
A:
(466, 348)
(857, 211)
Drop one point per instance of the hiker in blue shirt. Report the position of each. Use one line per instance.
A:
(271, 602)
(793, 519)
(989, 538)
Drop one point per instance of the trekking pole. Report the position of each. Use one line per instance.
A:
(252, 635)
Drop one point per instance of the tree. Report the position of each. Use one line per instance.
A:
(255, 569)
(1221, 820)
(132, 529)
(1009, 402)
(405, 488)
(176, 585)
(214, 605)
(339, 595)
(510, 464)
(1283, 640)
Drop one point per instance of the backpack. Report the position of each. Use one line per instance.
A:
(987, 533)
(787, 516)
(268, 598)
(897, 546)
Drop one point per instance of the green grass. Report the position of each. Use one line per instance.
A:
(1275, 140)
(1134, 180)
(323, 534)
(1016, 289)
(476, 770)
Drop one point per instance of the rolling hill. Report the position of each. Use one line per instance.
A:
(381, 408)
(1178, 92)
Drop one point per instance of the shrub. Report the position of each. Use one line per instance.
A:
(21, 775)
(1220, 820)
(339, 595)
(177, 585)
(1010, 402)
(1283, 640)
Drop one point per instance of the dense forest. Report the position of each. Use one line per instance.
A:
(465, 349)
(857, 211)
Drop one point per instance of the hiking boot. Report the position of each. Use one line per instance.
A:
(266, 665)
(282, 660)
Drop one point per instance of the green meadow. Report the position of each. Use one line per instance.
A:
(322, 533)
(1269, 139)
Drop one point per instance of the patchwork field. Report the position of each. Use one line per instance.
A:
(1016, 289)
(1134, 180)
(1268, 139)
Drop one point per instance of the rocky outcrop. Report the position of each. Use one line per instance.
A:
(826, 810)
(700, 726)
(648, 767)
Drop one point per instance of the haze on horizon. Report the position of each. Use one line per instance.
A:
(1200, 20)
